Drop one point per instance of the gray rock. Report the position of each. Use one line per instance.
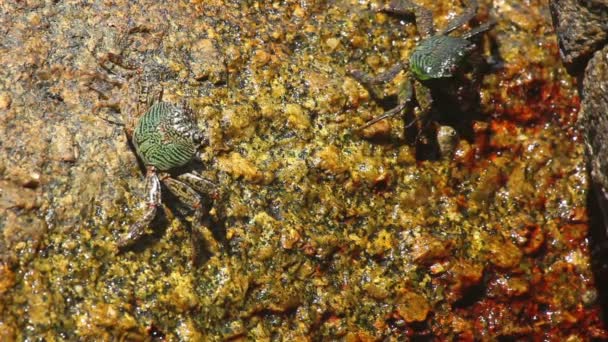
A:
(594, 122)
(582, 29)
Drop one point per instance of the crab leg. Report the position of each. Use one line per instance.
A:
(469, 12)
(405, 97)
(114, 80)
(384, 77)
(199, 183)
(192, 199)
(153, 201)
(423, 17)
(112, 105)
(479, 29)
(368, 81)
(117, 58)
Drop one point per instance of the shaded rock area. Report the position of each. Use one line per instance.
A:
(582, 29)
(594, 120)
(326, 234)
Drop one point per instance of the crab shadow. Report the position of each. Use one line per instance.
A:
(447, 110)
(161, 222)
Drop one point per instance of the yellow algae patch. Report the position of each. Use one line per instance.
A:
(236, 165)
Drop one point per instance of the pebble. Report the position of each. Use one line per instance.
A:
(62, 145)
(207, 62)
(14, 196)
(5, 100)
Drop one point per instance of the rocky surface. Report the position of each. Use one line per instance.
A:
(594, 118)
(582, 28)
(327, 234)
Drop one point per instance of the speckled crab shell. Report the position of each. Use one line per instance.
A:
(166, 137)
(438, 57)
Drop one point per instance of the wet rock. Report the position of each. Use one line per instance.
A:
(379, 130)
(413, 308)
(260, 58)
(326, 259)
(233, 330)
(207, 63)
(503, 253)
(290, 238)
(7, 279)
(332, 43)
(326, 91)
(462, 275)
(518, 184)
(294, 171)
(238, 166)
(101, 317)
(39, 310)
(278, 299)
(582, 28)
(187, 331)
(330, 159)
(376, 291)
(530, 238)
(381, 244)
(7, 332)
(506, 287)
(239, 122)
(489, 182)
(234, 59)
(428, 249)
(355, 92)
(297, 117)
(181, 293)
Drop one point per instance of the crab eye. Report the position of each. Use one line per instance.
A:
(197, 137)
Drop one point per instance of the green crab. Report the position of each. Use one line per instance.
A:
(166, 139)
(436, 60)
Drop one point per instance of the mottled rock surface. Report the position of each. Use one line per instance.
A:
(582, 28)
(594, 118)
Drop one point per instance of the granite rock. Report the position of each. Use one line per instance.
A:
(582, 29)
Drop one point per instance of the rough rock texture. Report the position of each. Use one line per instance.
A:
(582, 28)
(594, 118)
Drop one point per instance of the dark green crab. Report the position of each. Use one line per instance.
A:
(437, 57)
(166, 139)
